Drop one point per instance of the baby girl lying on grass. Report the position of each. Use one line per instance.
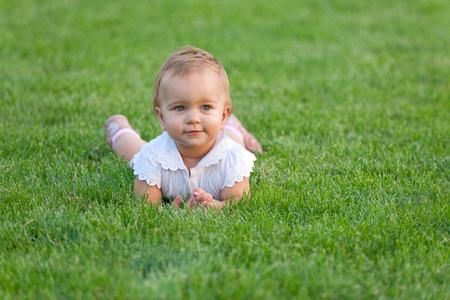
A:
(204, 152)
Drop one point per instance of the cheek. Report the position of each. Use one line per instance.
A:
(174, 122)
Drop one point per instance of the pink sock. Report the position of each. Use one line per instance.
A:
(119, 133)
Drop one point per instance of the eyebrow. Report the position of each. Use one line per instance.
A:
(178, 102)
(185, 102)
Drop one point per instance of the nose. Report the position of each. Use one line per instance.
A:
(193, 117)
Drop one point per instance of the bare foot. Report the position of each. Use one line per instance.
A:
(250, 142)
(122, 138)
(113, 125)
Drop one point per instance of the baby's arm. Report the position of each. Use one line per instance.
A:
(228, 196)
(151, 193)
(236, 192)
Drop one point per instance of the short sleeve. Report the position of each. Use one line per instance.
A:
(237, 164)
(146, 167)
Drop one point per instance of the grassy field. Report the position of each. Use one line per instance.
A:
(350, 100)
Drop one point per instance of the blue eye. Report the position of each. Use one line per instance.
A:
(179, 108)
(206, 107)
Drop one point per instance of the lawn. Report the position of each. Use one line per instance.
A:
(349, 99)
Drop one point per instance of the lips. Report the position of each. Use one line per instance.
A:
(194, 132)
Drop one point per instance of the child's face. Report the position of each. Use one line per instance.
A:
(193, 110)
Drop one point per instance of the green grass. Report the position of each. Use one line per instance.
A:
(350, 100)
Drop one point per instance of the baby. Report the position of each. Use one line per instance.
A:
(204, 152)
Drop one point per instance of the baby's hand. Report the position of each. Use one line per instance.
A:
(200, 198)
(177, 201)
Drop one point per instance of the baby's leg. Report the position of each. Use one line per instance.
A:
(122, 138)
(237, 132)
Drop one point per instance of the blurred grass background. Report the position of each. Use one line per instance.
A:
(349, 99)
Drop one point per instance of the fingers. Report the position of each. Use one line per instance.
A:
(207, 204)
(205, 197)
(197, 192)
(199, 199)
(191, 203)
(201, 196)
(177, 201)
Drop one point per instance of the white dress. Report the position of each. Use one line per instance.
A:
(159, 163)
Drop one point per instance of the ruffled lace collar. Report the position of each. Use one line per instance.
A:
(221, 146)
(169, 157)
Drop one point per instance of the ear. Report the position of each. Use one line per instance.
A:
(226, 114)
(159, 114)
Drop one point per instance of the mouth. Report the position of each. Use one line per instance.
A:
(193, 132)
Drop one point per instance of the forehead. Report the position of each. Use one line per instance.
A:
(195, 74)
(198, 81)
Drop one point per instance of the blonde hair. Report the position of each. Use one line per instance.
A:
(185, 61)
